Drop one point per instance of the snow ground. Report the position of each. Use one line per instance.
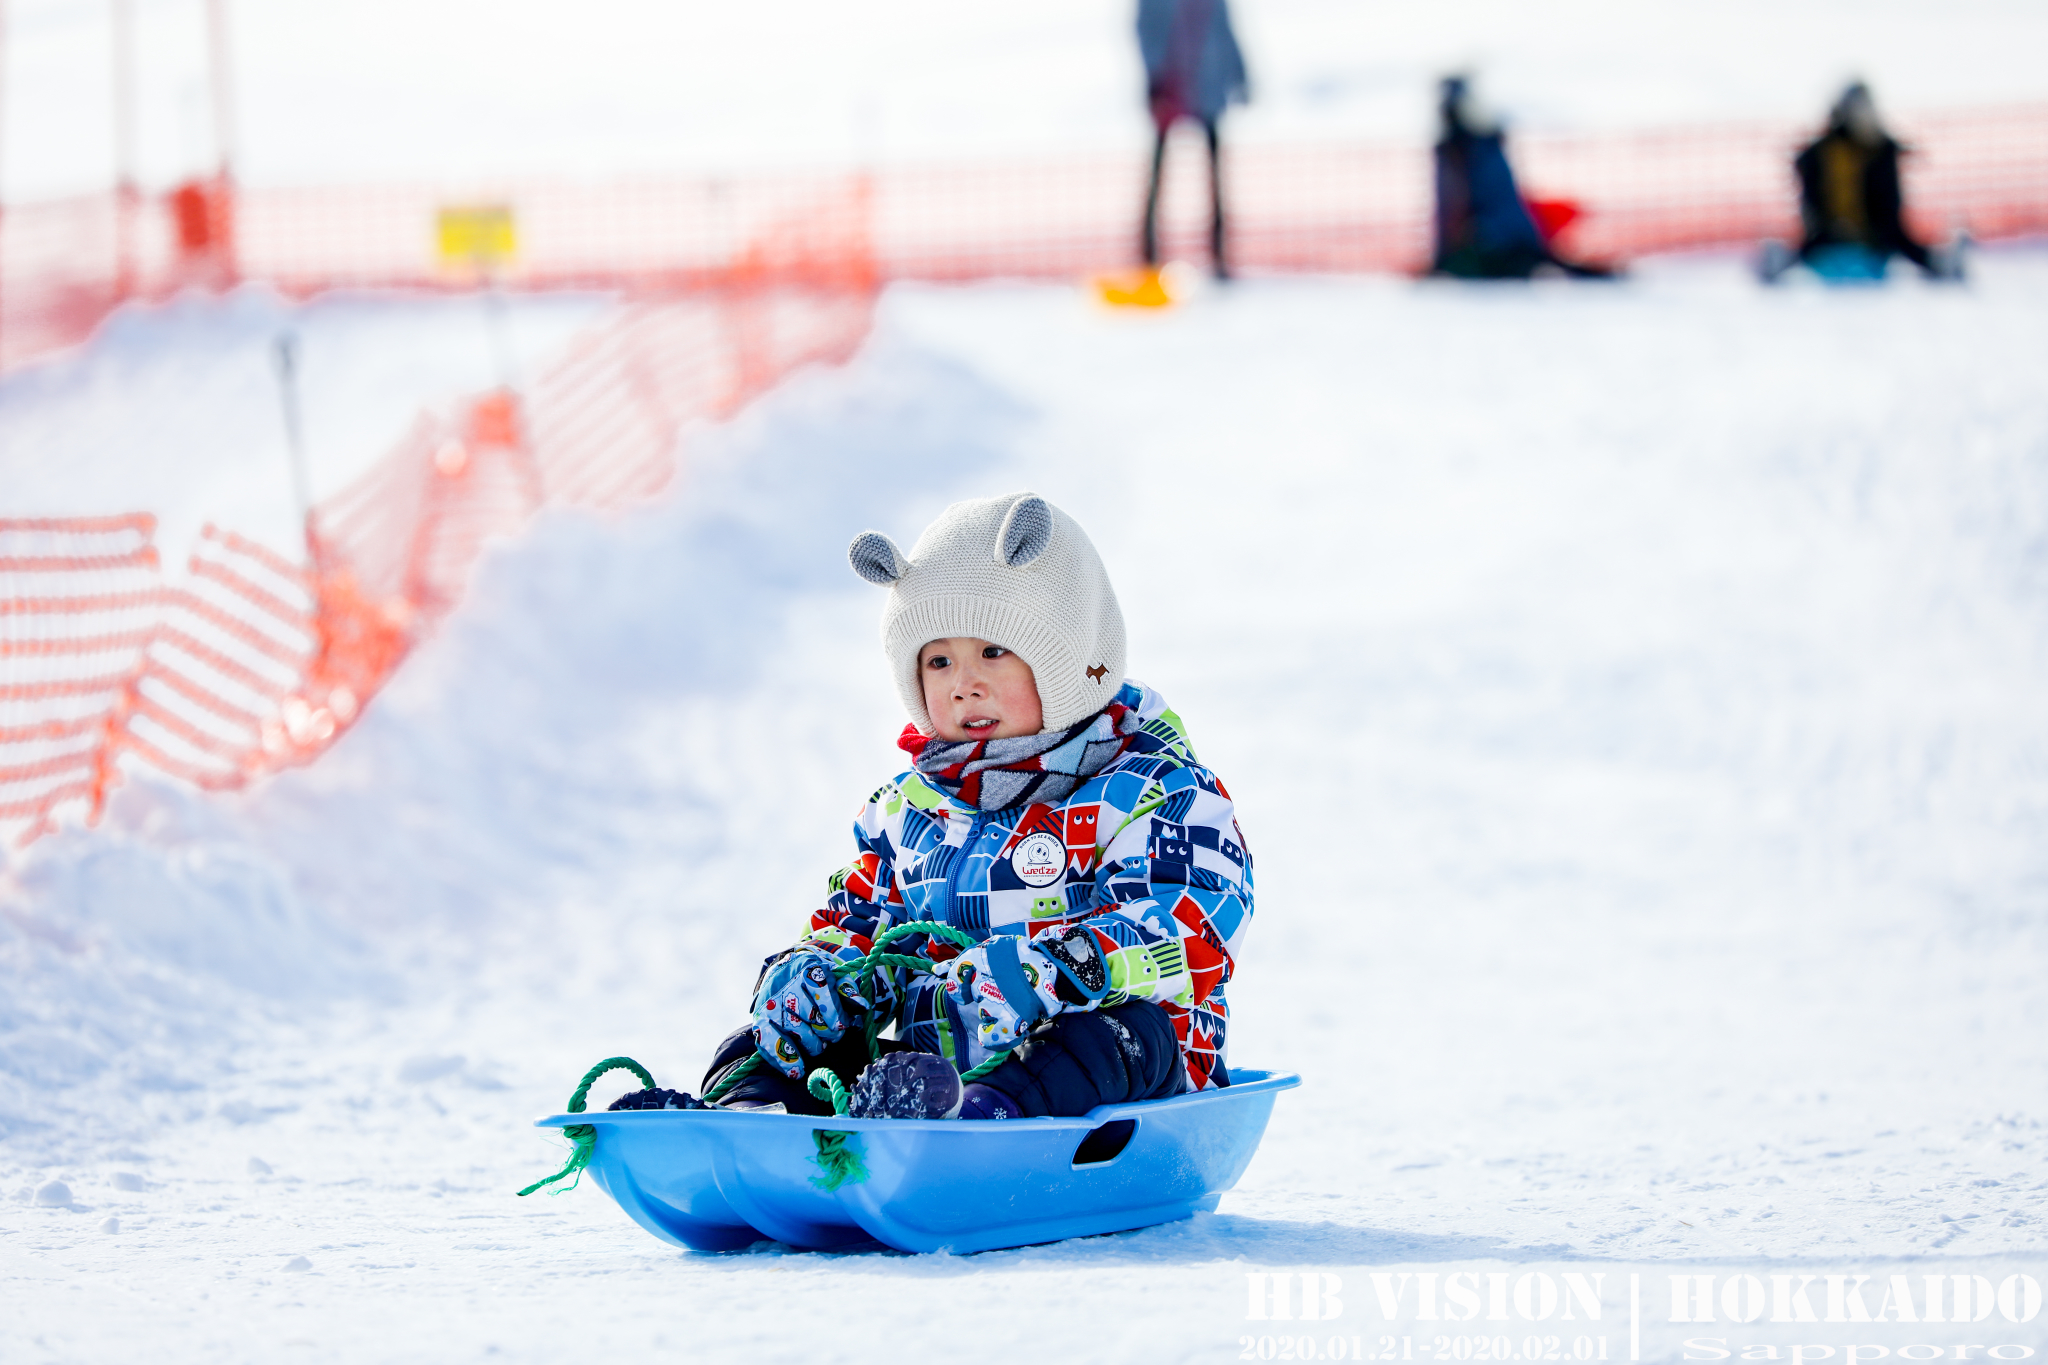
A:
(1633, 698)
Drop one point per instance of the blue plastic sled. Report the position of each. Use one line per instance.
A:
(718, 1180)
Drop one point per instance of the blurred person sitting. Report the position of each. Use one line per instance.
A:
(1850, 204)
(1193, 70)
(1484, 229)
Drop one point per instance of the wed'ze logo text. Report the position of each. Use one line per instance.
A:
(1039, 860)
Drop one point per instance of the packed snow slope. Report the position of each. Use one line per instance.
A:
(1633, 698)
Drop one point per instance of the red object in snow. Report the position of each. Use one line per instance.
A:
(1553, 216)
(204, 211)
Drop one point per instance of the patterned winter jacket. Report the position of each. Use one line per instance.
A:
(1147, 854)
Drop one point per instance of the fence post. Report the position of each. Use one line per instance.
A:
(126, 195)
(285, 352)
(222, 203)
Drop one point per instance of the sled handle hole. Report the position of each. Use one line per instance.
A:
(1105, 1143)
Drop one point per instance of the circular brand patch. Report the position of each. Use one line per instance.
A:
(1039, 860)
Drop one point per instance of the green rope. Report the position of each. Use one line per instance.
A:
(863, 969)
(904, 960)
(747, 1067)
(930, 928)
(878, 957)
(876, 1020)
(582, 1136)
(837, 1156)
(825, 1085)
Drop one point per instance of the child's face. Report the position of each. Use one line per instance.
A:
(976, 690)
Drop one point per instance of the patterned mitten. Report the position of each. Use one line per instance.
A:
(797, 1010)
(1084, 973)
(1001, 987)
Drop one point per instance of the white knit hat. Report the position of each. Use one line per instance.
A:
(1017, 572)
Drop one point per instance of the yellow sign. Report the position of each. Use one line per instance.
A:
(477, 234)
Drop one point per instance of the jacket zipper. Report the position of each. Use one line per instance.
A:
(974, 827)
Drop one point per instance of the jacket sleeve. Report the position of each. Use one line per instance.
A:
(862, 899)
(1812, 210)
(1885, 203)
(1173, 889)
(1155, 35)
(1229, 58)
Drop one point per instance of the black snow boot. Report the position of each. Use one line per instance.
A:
(906, 1085)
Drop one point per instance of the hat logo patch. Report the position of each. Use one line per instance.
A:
(1040, 860)
(1097, 673)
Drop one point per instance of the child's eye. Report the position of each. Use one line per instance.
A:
(993, 651)
(937, 661)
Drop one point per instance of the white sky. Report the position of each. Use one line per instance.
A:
(455, 89)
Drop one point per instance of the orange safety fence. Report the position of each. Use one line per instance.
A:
(1326, 207)
(251, 662)
(101, 656)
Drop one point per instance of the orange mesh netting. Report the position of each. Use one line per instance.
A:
(1322, 207)
(80, 601)
(251, 662)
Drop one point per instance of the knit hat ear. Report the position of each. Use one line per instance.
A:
(875, 557)
(1025, 533)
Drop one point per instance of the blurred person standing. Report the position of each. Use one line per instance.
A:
(1193, 70)
(1850, 203)
(1484, 229)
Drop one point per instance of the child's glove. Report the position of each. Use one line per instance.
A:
(797, 1010)
(1004, 985)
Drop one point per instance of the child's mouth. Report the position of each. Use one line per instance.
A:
(978, 725)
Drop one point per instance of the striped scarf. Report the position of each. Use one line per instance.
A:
(996, 774)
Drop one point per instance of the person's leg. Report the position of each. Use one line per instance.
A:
(1516, 262)
(1149, 243)
(1580, 270)
(1110, 1056)
(764, 1085)
(1218, 261)
(1917, 254)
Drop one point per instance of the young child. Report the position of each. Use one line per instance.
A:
(1055, 811)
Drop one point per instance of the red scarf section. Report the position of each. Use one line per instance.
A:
(995, 774)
